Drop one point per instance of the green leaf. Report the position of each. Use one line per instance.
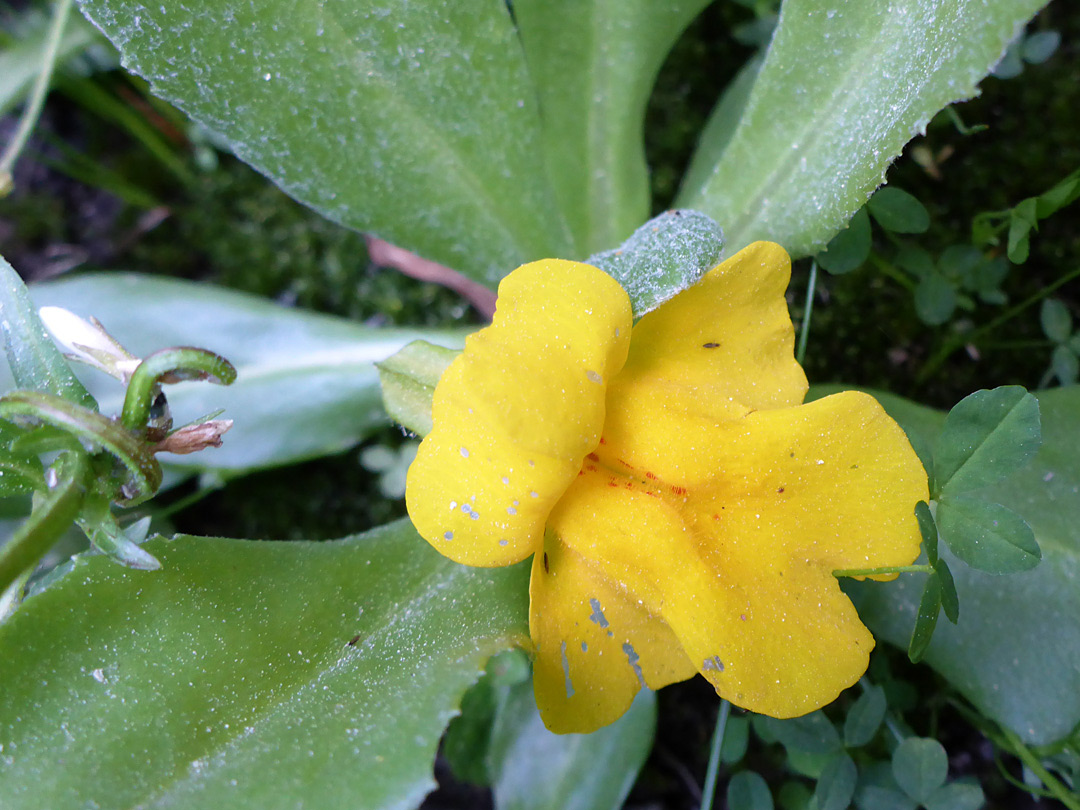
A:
(420, 125)
(824, 121)
(1015, 654)
(1022, 220)
(849, 248)
(593, 63)
(920, 766)
(864, 718)
(987, 536)
(35, 362)
(878, 790)
(534, 769)
(1040, 46)
(897, 211)
(748, 791)
(956, 796)
(916, 260)
(987, 437)
(663, 257)
(408, 379)
(926, 619)
(1066, 364)
(220, 681)
(1062, 194)
(935, 299)
(736, 740)
(306, 383)
(836, 787)
(1056, 320)
(950, 599)
(928, 530)
(813, 733)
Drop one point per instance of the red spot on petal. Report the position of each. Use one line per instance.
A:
(678, 490)
(593, 457)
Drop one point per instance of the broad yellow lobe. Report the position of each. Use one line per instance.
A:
(517, 411)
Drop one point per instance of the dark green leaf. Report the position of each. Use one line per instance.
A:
(958, 263)
(878, 790)
(1066, 364)
(928, 530)
(916, 260)
(421, 125)
(986, 535)
(987, 277)
(1022, 220)
(956, 796)
(920, 766)
(813, 733)
(1056, 320)
(849, 248)
(794, 796)
(408, 379)
(35, 362)
(533, 769)
(896, 210)
(987, 437)
(736, 740)
(1040, 46)
(748, 791)
(850, 107)
(926, 620)
(306, 386)
(663, 257)
(1032, 683)
(935, 299)
(593, 63)
(219, 681)
(950, 600)
(836, 787)
(864, 718)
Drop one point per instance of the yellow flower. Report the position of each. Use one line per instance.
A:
(685, 509)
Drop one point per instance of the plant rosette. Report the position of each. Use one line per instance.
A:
(685, 510)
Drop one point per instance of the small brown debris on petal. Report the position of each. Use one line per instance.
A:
(193, 438)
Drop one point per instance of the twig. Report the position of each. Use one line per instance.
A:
(387, 255)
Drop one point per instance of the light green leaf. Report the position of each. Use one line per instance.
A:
(987, 536)
(1015, 653)
(534, 769)
(843, 88)
(306, 383)
(813, 733)
(1056, 320)
(219, 681)
(1040, 46)
(837, 784)
(987, 437)
(20, 63)
(748, 791)
(935, 299)
(920, 766)
(594, 63)
(1066, 364)
(408, 379)
(896, 210)
(849, 248)
(416, 122)
(956, 796)
(33, 359)
(663, 257)
(864, 718)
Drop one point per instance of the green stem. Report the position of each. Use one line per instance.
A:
(888, 569)
(52, 516)
(713, 770)
(954, 343)
(32, 111)
(887, 269)
(181, 363)
(1025, 755)
(808, 309)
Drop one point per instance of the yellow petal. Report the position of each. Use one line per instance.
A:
(719, 350)
(740, 567)
(517, 411)
(596, 646)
